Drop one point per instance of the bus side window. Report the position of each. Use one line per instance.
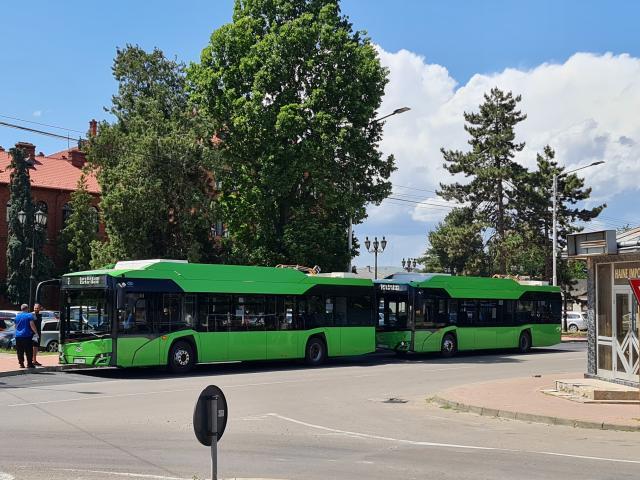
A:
(340, 311)
(454, 305)
(524, 311)
(359, 312)
(508, 314)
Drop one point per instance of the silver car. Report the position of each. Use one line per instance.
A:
(50, 338)
(576, 321)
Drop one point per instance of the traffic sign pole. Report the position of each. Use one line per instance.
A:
(213, 403)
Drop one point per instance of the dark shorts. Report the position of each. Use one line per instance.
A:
(35, 343)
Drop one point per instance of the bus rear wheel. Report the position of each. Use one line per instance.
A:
(181, 357)
(449, 345)
(316, 352)
(524, 342)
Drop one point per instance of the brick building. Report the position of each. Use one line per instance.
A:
(53, 178)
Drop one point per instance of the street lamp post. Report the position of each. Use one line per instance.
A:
(40, 220)
(555, 227)
(397, 111)
(410, 263)
(555, 215)
(378, 247)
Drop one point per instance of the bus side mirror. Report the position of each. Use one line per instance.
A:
(120, 298)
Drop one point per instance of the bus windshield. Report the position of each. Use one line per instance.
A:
(86, 314)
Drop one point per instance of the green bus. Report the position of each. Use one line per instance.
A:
(174, 313)
(447, 314)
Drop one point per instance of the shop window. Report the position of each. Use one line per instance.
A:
(604, 300)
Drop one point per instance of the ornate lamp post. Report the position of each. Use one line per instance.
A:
(378, 247)
(409, 265)
(40, 220)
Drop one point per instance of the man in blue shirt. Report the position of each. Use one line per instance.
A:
(25, 330)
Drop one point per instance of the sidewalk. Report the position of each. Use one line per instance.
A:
(522, 399)
(576, 338)
(9, 364)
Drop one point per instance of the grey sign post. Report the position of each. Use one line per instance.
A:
(210, 421)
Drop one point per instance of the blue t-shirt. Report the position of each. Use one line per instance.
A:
(23, 329)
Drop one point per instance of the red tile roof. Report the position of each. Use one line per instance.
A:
(54, 172)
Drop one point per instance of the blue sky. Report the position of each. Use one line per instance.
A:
(57, 55)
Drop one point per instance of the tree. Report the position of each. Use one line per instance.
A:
(535, 210)
(80, 229)
(491, 168)
(153, 167)
(22, 238)
(291, 91)
(456, 245)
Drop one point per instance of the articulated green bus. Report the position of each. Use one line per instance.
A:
(447, 314)
(174, 313)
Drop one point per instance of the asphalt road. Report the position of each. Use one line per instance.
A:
(354, 418)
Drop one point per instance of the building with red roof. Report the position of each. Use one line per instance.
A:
(53, 178)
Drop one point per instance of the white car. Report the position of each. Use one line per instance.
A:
(576, 321)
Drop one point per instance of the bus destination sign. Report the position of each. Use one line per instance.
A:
(92, 281)
(392, 287)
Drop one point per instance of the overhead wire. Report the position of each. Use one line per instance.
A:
(40, 123)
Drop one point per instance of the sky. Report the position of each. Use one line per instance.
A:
(575, 63)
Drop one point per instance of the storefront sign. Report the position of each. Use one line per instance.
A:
(622, 272)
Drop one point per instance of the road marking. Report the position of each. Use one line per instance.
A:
(135, 475)
(6, 476)
(445, 445)
(379, 437)
(119, 474)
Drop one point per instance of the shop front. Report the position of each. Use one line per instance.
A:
(614, 348)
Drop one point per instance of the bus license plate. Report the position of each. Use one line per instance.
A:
(79, 360)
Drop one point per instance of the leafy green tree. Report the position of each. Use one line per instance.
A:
(291, 91)
(80, 229)
(490, 168)
(456, 245)
(153, 168)
(22, 238)
(535, 210)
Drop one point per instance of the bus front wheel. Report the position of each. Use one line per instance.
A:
(316, 352)
(181, 357)
(449, 345)
(524, 343)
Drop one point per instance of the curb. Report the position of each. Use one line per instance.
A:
(530, 417)
(573, 340)
(56, 368)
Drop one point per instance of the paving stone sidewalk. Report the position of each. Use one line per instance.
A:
(522, 399)
(9, 364)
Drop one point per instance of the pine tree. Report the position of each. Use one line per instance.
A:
(491, 168)
(22, 238)
(80, 229)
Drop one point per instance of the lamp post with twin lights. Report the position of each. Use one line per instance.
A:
(378, 247)
(40, 220)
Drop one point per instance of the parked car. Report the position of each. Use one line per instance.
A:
(50, 338)
(576, 321)
(7, 318)
(50, 314)
(7, 338)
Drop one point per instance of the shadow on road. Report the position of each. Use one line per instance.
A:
(371, 360)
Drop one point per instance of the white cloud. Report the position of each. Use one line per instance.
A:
(37, 113)
(432, 209)
(585, 108)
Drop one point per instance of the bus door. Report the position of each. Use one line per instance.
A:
(137, 338)
(247, 331)
(282, 327)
